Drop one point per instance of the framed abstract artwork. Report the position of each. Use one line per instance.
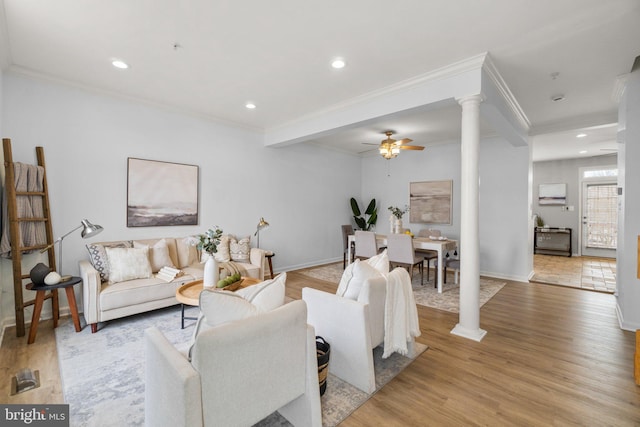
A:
(161, 193)
(431, 202)
(552, 194)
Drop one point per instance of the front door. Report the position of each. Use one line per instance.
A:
(599, 219)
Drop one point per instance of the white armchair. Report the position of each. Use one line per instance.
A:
(240, 373)
(353, 328)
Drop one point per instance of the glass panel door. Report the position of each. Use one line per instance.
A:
(599, 219)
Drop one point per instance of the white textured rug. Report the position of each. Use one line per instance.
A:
(103, 373)
(427, 294)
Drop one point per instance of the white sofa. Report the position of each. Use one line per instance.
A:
(240, 372)
(103, 301)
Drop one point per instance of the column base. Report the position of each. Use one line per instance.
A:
(471, 334)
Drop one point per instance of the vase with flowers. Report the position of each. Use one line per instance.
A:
(209, 242)
(396, 217)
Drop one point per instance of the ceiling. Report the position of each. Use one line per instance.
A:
(209, 58)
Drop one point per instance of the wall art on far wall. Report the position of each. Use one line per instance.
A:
(161, 193)
(431, 202)
(552, 194)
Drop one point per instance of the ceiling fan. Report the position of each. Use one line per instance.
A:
(390, 148)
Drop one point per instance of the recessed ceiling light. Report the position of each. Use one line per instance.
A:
(557, 98)
(250, 105)
(582, 152)
(118, 63)
(581, 135)
(338, 63)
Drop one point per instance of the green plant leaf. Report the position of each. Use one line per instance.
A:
(360, 222)
(371, 208)
(373, 218)
(354, 207)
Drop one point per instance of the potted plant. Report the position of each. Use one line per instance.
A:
(372, 212)
(396, 218)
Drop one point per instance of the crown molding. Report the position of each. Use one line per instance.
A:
(492, 71)
(21, 71)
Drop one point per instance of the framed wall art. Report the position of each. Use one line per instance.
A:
(161, 193)
(552, 194)
(431, 202)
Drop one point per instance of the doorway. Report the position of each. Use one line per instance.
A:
(599, 212)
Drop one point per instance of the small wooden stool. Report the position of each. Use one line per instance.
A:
(41, 295)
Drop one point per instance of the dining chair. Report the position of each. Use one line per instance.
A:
(401, 253)
(366, 245)
(452, 263)
(428, 254)
(347, 230)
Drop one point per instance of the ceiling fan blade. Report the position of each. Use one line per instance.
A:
(403, 141)
(411, 147)
(368, 143)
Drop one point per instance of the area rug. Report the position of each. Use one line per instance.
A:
(427, 294)
(103, 373)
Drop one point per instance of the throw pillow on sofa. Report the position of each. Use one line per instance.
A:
(98, 256)
(128, 264)
(239, 249)
(158, 254)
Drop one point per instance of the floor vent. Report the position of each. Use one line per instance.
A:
(25, 380)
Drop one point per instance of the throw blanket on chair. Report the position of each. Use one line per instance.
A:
(27, 178)
(401, 324)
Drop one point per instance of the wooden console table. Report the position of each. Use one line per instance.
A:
(552, 241)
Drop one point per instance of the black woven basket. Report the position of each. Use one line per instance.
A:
(322, 350)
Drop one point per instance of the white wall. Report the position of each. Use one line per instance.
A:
(627, 282)
(504, 204)
(301, 190)
(565, 171)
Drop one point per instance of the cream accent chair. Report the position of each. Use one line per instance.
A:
(353, 328)
(240, 373)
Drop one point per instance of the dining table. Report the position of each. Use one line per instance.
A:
(441, 245)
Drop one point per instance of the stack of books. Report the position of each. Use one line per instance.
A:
(168, 273)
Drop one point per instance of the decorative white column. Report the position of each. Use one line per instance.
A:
(469, 320)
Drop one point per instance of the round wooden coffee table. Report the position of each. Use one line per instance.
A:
(189, 293)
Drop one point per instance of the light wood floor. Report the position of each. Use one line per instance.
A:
(552, 356)
(592, 273)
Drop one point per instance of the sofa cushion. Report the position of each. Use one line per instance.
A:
(98, 256)
(266, 295)
(138, 291)
(187, 253)
(158, 254)
(128, 263)
(240, 249)
(223, 254)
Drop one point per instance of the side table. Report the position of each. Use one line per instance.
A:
(41, 292)
(268, 256)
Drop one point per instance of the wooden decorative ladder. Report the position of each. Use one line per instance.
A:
(14, 227)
